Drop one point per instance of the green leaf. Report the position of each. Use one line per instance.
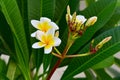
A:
(78, 65)
(117, 61)
(46, 61)
(19, 59)
(89, 2)
(112, 22)
(38, 56)
(11, 70)
(6, 41)
(103, 15)
(3, 77)
(89, 74)
(3, 67)
(101, 75)
(59, 10)
(14, 19)
(39, 8)
(23, 7)
(105, 63)
(12, 14)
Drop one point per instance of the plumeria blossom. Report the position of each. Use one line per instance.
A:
(43, 25)
(46, 40)
(79, 19)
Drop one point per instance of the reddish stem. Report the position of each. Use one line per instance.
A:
(60, 60)
(54, 68)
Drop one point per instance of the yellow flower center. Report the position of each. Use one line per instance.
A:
(44, 26)
(47, 40)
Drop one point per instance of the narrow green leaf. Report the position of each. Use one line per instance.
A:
(89, 2)
(13, 17)
(117, 61)
(101, 74)
(105, 63)
(46, 61)
(112, 22)
(3, 67)
(3, 77)
(60, 7)
(11, 70)
(20, 62)
(6, 40)
(23, 7)
(89, 74)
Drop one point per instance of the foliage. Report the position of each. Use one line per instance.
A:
(25, 62)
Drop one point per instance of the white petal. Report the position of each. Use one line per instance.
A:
(33, 34)
(57, 41)
(36, 45)
(47, 50)
(54, 25)
(51, 31)
(81, 18)
(35, 23)
(45, 19)
(39, 35)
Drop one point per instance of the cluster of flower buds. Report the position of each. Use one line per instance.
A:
(78, 23)
(99, 45)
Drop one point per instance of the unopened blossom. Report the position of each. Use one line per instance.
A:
(91, 21)
(46, 40)
(43, 25)
(99, 45)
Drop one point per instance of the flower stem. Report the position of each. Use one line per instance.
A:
(57, 50)
(77, 55)
(57, 55)
(61, 56)
(54, 68)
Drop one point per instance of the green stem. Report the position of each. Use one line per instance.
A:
(57, 50)
(77, 55)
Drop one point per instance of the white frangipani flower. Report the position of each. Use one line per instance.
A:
(43, 25)
(80, 18)
(47, 40)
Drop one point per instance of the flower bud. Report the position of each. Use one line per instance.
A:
(78, 26)
(99, 45)
(68, 10)
(91, 21)
(57, 34)
(74, 17)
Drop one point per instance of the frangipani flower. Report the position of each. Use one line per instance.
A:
(80, 19)
(47, 40)
(43, 25)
